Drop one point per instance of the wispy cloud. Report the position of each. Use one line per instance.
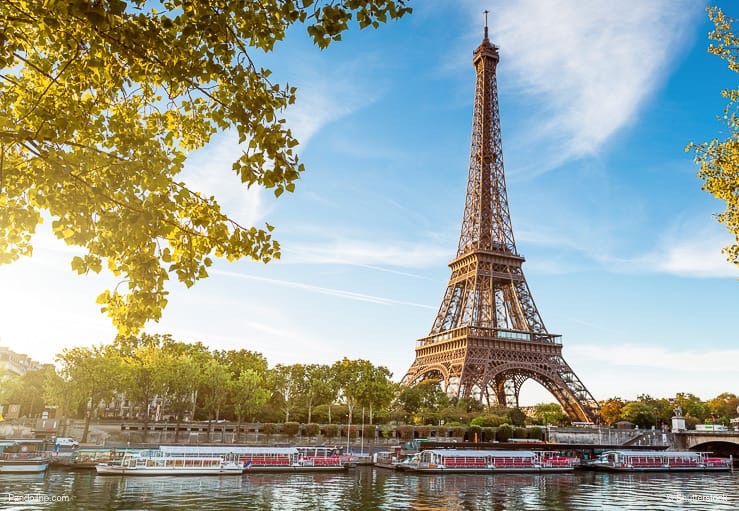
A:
(324, 95)
(326, 98)
(658, 357)
(338, 293)
(366, 253)
(689, 249)
(585, 68)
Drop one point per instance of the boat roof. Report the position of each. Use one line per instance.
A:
(671, 454)
(223, 449)
(470, 453)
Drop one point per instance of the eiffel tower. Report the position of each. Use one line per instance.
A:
(488, 337)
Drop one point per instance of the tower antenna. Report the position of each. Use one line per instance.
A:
(485, 12)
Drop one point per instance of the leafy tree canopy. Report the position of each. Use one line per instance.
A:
(719, 159)
(102, 100)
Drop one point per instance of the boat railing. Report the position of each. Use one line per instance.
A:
(266, 460)
(557, 462)
(25, 455)
(322, 461)
(507, 462)
(464, 461)
(717, 462)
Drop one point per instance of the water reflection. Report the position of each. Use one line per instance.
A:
(368, 489)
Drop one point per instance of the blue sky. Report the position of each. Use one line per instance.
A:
(597, 102)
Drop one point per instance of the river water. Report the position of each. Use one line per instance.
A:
(367, 488)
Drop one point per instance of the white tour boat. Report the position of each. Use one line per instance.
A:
(271, 459)
(484, 461)
(678, 461)
(157, 463)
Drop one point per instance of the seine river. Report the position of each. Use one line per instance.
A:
(365, 489)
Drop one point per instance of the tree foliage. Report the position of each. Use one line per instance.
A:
(91, 377)
(102, 100)
(27, 390)
(550, 413)
(610, 410)
(247, 393)
(718, 160)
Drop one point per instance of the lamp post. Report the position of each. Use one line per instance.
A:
(348, 430)
(361, 444)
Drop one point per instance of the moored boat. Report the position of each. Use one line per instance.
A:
(24, 462)
(484, 461)
(157, 463)
(389, 459)
(89, 458)
(22, 456)
(272, 459)
(678, 461)
(323, 458)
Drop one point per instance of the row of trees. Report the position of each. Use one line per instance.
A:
(154, 376)
(156, 373)
(647, 411)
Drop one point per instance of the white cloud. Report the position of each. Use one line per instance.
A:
(324, 95)
(366, 253)
(688, 249)
(585, 68)
(637, 355)
(338, 293)
(325, 99)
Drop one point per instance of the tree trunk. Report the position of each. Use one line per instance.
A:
(194, 403)
(88, 417)
(177, 430)
(146, 429)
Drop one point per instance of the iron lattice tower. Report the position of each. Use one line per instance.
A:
(488, 337)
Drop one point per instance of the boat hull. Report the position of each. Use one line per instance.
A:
(611, 468)
(624, 460)
(24, 466)
(296, 468)
(484, 470)
(103, 469)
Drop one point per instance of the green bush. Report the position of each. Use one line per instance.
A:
(488, 434)
(290, 428)
(459, 431)
(423, 431)
(520, 433)
(368, 432)
(311, 430)
(536, 433)
(504, 432)
(268, 428)
(405, 432)
(332, 431)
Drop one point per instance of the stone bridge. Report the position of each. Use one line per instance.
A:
(717, 442)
